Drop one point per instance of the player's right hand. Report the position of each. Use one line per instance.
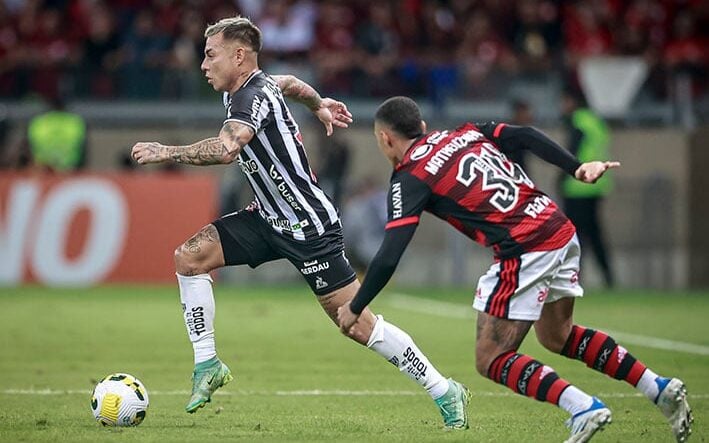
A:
(149, 152)
(333, 113)
(346, 318)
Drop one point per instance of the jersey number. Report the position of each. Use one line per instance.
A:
(498, 173)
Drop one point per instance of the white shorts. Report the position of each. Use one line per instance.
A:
(517, 288)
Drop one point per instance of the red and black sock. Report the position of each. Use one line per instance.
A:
(602, 353)
(527, 376)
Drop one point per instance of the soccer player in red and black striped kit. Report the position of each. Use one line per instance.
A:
(464, 177)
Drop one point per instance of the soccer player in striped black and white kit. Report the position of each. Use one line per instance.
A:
(464, 177)
(291, 217)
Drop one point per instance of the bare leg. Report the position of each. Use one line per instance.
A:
(554, 325)
(362, 330)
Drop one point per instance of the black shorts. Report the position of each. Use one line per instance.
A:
(247, 239)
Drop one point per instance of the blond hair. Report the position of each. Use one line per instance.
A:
(237, 28)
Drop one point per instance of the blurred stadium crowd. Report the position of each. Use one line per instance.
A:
(149, 49)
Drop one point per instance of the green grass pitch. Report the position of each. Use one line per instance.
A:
(298, 379)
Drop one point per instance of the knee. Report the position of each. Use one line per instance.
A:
(482, 367)
(188, 263)
(553, 341)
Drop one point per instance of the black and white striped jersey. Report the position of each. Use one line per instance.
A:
(274, 161)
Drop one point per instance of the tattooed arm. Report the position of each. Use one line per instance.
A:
(211, 151)
(298, 90)
(329, 111)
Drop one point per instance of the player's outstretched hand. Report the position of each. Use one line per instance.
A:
(346, 318)
(148, 152)
(590, 172)
(333, 113)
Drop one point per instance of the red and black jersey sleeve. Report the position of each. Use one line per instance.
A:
(408, 196)
(407, 199)
(511, 138)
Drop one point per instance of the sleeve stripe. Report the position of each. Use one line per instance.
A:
(249, 124)
(498, 129)
(402, 222)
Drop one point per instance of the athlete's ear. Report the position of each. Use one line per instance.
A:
(423, 126)
(386, 138)
(239, 54)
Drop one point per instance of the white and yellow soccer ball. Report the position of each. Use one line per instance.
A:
(120, 400)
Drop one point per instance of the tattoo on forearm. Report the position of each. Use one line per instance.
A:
(304, 93)
(206, 152)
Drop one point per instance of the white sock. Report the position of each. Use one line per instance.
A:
(399, 349)
(573, 400)
(198, 310)
(648, 386)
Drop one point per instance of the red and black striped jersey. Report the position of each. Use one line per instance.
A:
(463, 177)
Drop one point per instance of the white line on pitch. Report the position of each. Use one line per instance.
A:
(456, 310)
(305, 393)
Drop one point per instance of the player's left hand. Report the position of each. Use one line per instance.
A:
(333, 113)
(346, 318)
(590, 172)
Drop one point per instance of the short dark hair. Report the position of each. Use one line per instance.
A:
(237, 28)
(402, 115)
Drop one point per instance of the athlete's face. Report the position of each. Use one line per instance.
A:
(221, 62)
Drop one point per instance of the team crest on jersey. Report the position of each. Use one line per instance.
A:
(421, 152)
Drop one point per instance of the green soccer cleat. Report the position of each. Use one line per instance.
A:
(207, 377)
(453, 406)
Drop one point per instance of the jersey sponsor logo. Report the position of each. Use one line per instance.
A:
(286, 225)
(255, 109)
(421, 152)
(311, 267)
(249, 166)
(537, 206)
(279, 223)
(396, 200)
(320, 283)
(436, 162)
(283, 188)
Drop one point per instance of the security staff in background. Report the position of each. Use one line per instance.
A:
(57, 138)
(588, 139)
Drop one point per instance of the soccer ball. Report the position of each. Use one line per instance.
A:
(119, 400)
